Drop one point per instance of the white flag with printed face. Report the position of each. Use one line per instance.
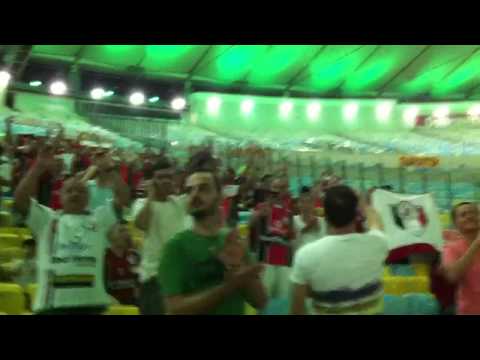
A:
(408, 219)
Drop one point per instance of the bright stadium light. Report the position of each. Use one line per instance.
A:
(58, 88)
(474, 111)
(178, 104)
(383, 111)
(109, 93)
(97, 94)
(35, 83)
(247, 106)
(4, 79)
(154, 99)
(441, 112)
(410, 115)
(313, 111)
(350, 111)
(137, 98)
(213, 105)
(285, 109)
(442, 121)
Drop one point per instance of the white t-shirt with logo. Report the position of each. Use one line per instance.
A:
(167, 219)
(347, 263)
(70, 255)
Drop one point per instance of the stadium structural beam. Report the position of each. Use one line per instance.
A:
(304, 68)
(200, 61)
(382, 89)
(247, 75)
(463, 62)
(291, 83)
(362, 63)
(16, 58)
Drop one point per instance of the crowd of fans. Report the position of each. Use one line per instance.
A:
(80, 203)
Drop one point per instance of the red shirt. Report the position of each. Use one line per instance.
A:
(124, 172)
(55, 200)
(226, 206)
(288, 202)
(86, 161)
(122, 282)
(278, 225)
(468, 289)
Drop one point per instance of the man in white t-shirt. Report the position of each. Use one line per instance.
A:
(308, 226)
(71, 244)
(162, 215)
(342, 272)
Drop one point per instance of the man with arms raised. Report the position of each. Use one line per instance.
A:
(71, 244)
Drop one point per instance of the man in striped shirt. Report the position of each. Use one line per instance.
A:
(342, 272)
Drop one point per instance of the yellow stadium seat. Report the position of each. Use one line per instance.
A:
(11, 253)
(422, 269)
(6, 219)
(10, 240)
(7, 204)
(122, 310)
(400, 285)
(386, 271)
(24, 233)
(9, 230)
(249, 310)
(31, 290)
(12, 299)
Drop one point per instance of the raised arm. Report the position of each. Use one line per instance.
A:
(28, 186)
(142, 220)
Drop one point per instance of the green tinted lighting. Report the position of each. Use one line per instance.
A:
(313, 111)
(35, 83)
(247, 106)
(108, 93)
(383, 111)
(350, 111)
(153, 99)
(410, 115)
(285, 109)
(213, 105)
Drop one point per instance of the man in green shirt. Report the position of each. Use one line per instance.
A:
(204, 270)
